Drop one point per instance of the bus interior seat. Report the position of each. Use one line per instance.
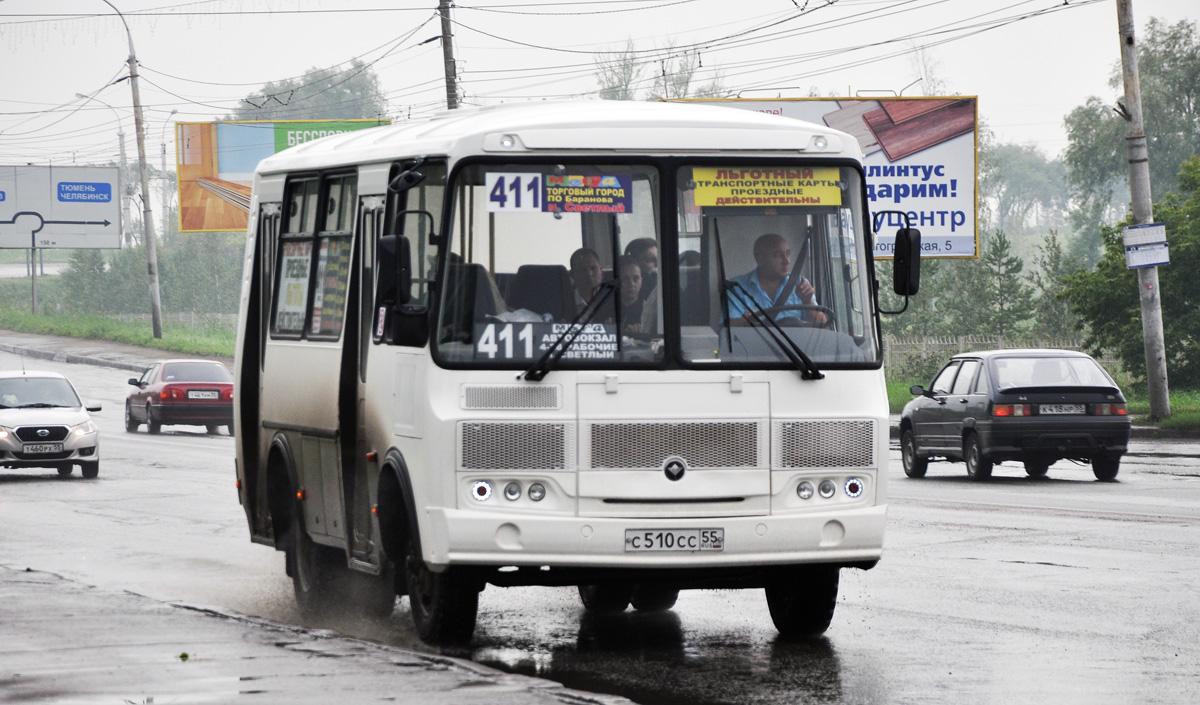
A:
(475, 297)
(543, 288)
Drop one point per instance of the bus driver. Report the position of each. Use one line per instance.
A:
(773, 260)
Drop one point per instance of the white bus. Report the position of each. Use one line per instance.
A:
(629, 347)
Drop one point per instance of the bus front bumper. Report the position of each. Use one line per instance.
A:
(459, 537)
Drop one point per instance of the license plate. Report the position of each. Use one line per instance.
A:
(1061, 409)
(43, 448)
(674, 540)
(202, 395)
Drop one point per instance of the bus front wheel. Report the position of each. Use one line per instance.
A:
(802, 599)
(444, 605)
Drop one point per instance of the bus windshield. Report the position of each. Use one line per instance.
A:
(537, 248)
(772, 260)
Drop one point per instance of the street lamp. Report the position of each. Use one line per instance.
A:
(162, 138)
(147, 221)
(127, 188)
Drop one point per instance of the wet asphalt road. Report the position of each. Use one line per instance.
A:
(1062, 590)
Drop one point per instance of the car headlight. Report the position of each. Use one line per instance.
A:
(4, 433)
(85, 428)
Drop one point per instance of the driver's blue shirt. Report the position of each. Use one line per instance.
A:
(750, 285)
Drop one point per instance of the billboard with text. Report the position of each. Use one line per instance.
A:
(920, 157)
(216, 162)
(71, 207)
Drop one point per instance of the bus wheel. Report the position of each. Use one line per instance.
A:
(306, 565)
(653, 598)
(443, 604)
(802, 600)
(606, 597)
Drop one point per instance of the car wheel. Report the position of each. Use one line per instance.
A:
(152, 424)
(979, 467)
(606, 597)
(1105, 467)
(65, 471)
(802, 600)
(914, 465)
(90, 470)
(653, 598)
(444, 605)
(131, 424)
(1036, 468)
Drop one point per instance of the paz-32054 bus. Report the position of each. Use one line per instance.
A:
(628, 347)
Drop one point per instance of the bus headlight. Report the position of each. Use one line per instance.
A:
(482, 490)
(512, 491)
(827, 488)
(805, 490)
(854, 487)
(537, 491)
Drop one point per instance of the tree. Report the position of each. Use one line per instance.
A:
(1027, 190)
(320, 94)
(618, 75)
(990, 297)
(1053, 264)
(1106, 299)
(1169, 68)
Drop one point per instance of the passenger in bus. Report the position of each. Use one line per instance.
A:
(645, 251)
(586, 274)
(630, 273)
(773, 260)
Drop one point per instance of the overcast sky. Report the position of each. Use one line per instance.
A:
(1029, 61)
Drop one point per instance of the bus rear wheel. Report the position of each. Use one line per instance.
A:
(444, 605)
(308, 566)
(802, 599)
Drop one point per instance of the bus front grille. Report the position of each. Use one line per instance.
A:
(703, 444)
(514, 446)
(508, 396)
(824, 444)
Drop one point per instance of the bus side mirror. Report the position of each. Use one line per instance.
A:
(906, 262)
(395, 270)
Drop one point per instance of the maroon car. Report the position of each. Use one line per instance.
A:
(183, 392)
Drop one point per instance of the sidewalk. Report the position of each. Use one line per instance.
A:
(65, 642)
(89, 352)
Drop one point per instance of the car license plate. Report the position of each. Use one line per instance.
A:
(43, 448)
(193, 394)
(674, 540)
(1061, 409)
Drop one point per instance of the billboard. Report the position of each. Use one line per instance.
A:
(215, 164)
(920, 157)
(63, 207)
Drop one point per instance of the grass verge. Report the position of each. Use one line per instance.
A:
(179, 339)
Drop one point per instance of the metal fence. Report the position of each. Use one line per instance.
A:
(207, 321)
(920, 358)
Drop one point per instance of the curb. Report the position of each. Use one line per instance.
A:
(71, 358)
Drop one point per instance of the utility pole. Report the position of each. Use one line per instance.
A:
(448, 55)
(1139, 189)
(147, 220)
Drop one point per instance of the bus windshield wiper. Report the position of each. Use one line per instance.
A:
(568, 336)
(808, 368)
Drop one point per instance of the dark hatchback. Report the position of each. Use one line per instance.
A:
(1033, 406)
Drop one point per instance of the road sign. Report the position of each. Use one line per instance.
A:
(62, 207)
